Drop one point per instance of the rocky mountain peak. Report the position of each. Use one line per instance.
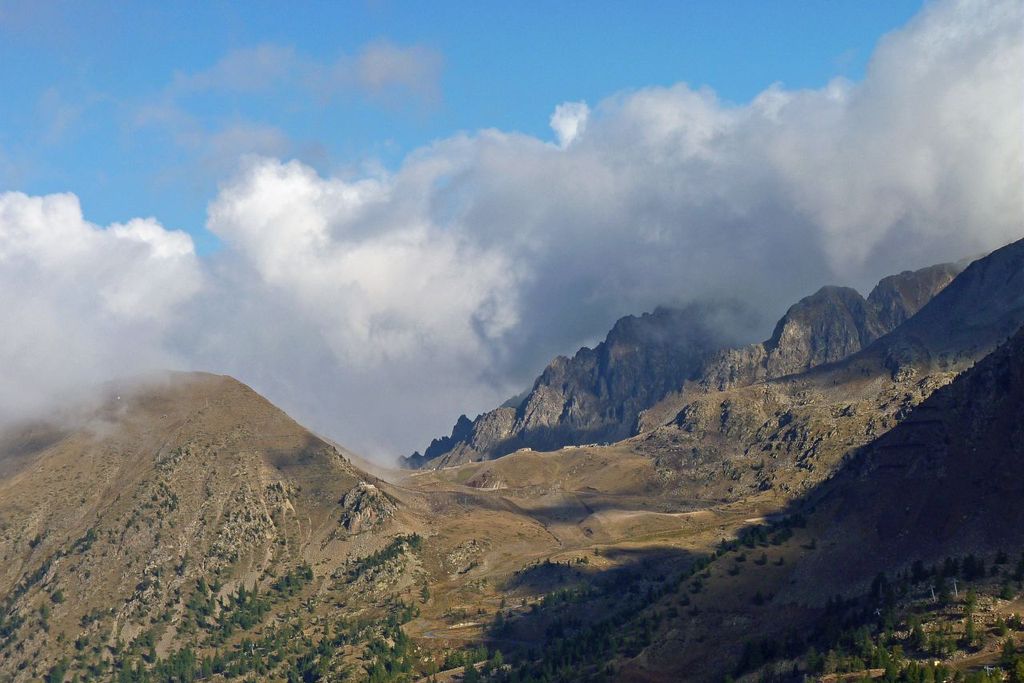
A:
(599, 394)
(828, 326)
(595, 395)
(822, 328)
(897, 297)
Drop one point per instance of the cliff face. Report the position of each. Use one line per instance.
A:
(594, 396)
(896, 298)
(600, 394)
(828, 326)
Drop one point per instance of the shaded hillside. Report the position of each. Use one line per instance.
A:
(910, 559)
(757, 601)
(948, 481)
(598, 395)
(981, 308)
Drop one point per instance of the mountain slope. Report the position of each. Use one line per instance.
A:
(189, 518)
(862, 566)
(644, 515)
(948, 481)
(113, 531)
(788, 433)
(980, 309)
(598, 394)
(647, 513)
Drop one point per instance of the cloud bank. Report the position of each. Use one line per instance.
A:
(377, 308)
(80, 304)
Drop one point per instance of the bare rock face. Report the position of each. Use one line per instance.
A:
(596, 395)
(601, 394)
(828, 326)
(896, 298)
(365, 507)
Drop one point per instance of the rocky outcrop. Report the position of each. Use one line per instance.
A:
(599, 394)
(596, 395)
(828, 326)
(462, 432)
(898, 297)
(365, 507)
(790, 432)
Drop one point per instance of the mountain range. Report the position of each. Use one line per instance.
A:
(666, 506)
(598, 394)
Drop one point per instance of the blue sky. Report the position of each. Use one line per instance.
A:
(90, 107)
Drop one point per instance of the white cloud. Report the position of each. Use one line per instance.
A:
(569, 121)
(376, 308)
(80, 304)
(343, 300)
(379, 291)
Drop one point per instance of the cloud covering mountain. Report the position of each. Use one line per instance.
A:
(376, 307)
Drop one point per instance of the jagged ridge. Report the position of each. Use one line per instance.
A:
(600, 393)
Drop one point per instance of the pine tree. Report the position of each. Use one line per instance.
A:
(971, 601)
(917, 637)
(1009, 654)
(970, 634)
(1017, 672)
